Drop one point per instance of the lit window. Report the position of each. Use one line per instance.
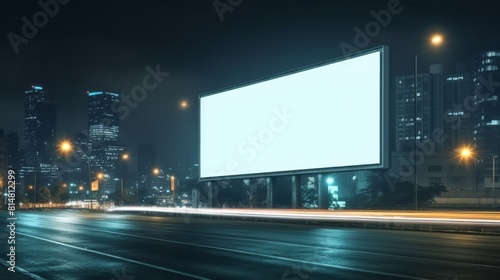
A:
(490, 54)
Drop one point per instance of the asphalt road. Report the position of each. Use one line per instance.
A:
(66, 244)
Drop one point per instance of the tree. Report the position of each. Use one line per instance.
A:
(231, 193)
(309, 193)
(391, 192)
(59, 194)
(43, 195)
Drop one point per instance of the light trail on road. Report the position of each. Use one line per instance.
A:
(479, 218)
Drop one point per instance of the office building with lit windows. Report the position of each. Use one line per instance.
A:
(429, 95)
(39, 137)
(456, 114)
(486, 116)
(441, 96)
(103, 123)
(39, 126)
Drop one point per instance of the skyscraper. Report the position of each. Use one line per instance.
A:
(429, 103)
(456, 119)
(39, 127)
(486, 116)
(39, 137)
(103, 122)
(104, 133)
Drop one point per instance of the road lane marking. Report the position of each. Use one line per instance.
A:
(27, 273)
(296, 245)
(117, 257)
(270, 256)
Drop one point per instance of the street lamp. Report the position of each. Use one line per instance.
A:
(4, 191)
(157, 171)
(126, 157)
(184, 104)
(30, 187)
(435, 40)
(172, 186)
(466, 153)
(66, 147)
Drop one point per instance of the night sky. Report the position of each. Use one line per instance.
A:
(93, 45)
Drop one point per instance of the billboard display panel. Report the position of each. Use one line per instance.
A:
(328, 117)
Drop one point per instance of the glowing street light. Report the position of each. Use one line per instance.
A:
(466, 153)
(172, 186)
(435, 40)
(126, 157)
(67, 147)
(184, 104)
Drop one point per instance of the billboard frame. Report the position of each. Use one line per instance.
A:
(384, 118)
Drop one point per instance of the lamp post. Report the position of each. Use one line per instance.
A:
(67, 147)
(34, 188)
(126, 157)
(172, 186)
(467, 153)
(157, 171)
(435, 40)
(493, 182)
(4, 192)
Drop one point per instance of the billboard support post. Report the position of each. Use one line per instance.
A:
(210, 194)
(270, 197)
(296, 201)
(322, 194)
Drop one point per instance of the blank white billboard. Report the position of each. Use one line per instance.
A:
(325, 118)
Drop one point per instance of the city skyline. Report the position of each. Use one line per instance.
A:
(250, 139)
(190, 51)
